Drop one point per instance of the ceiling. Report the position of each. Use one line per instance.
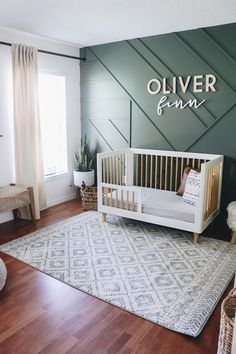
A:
(89, 22)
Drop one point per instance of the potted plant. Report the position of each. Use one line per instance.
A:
(84, 159)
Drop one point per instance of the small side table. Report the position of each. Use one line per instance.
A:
(231, 221)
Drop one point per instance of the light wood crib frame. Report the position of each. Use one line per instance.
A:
(126, 176)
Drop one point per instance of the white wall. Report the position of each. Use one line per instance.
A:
(58, 189)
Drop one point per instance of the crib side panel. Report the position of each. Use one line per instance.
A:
(213, 188)
(115, 178)
(210, 193)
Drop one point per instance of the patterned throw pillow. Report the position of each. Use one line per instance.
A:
(192, 188)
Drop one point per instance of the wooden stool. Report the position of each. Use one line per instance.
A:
(13, 197)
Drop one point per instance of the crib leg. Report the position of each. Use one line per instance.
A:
(195, 238)
(233, 239)
(104, 217)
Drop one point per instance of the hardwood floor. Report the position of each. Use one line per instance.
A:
(39, 314)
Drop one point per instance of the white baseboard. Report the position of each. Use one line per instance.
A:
(60, 200)
(4, 217)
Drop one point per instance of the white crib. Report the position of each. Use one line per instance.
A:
(141, 184)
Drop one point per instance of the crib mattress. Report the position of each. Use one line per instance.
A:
(164, 204)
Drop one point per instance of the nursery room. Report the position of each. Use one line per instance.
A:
(117, 177)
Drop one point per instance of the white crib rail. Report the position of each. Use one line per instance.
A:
(122, 197)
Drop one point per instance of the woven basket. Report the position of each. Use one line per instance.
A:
(89, 198)
(228, 308)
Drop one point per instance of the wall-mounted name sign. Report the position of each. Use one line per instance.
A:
(196, 83)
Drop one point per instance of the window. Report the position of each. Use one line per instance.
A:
(52, 103)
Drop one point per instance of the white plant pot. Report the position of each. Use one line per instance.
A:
(87, 177)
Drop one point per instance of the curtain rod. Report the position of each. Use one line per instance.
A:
(51, 53)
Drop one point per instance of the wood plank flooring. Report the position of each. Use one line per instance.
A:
(39, 314)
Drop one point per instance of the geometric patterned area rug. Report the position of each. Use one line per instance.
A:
(154, 272)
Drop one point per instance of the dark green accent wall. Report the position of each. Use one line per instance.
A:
(117, 110)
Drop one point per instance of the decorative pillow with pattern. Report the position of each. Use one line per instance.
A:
(192, 188)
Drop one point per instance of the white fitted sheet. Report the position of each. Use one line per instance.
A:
(166, 204)
(161, 203)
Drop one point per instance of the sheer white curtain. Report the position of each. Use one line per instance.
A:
(28, 151)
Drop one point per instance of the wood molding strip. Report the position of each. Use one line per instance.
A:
(218, 45)
(209, 128)
(142, 110)
(97, 130)
(187, 45)
(118, 130)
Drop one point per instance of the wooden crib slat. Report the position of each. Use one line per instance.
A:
(111, 199)
(213, 189)
(116, 174)
(117, 169)
(218, 183)
(176, 172)
(151, 171)
(110, 169)
(205, 198)
(199, 164)
(123, 173)
(137, 156)
(120, 169)
(107, 169)
(103, 171)
(127, 200)
(141, 170)
(114, 164)
(182, 167)
(132, 203)
(166, 172)
(156, 165)
(209, 191)
(117, 204)
(171, 172)
(106, 190)
(113, 170)
(209, 185)
(216, 187)
(161, 165)
(122, 199)
(146, 170)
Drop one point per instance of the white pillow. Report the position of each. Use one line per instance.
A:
(192, 188)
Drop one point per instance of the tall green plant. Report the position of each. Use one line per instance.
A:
(85, 157)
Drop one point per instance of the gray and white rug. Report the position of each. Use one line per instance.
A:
(151, 271)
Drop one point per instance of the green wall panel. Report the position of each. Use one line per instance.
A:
(117, 110)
